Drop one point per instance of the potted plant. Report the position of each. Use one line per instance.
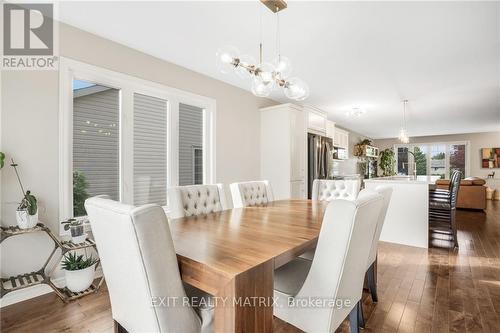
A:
(76, 229)
(78, 271)
(27, 211)
(387, 162)
(359, 148)
(2, 159)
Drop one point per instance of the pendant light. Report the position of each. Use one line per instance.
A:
(265, 76)
(403, 132)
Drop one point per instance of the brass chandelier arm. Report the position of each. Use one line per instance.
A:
(275, 5)
(254, 70)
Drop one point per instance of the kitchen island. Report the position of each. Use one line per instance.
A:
(407, 220)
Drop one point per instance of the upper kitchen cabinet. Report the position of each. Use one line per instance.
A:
(316, 120)
(341, 138)
(330, 129)
(283, 150)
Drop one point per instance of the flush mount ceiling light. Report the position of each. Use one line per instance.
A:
(403, 133)
(265, 76)
(355, 112)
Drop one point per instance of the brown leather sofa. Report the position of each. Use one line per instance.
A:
(471, 194)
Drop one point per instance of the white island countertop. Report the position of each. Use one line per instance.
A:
(407, 219)
(404, 180)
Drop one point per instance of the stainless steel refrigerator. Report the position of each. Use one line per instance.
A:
(319, 159)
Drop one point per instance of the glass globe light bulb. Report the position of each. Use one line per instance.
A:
(403, 136)
(226, 57)
(283, 67)
(265, 73)
(261, 89)
(245, 60)
(296, 89)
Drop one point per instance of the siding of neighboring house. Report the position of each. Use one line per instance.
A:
(190, 137)
(150, 150)
(96, 140)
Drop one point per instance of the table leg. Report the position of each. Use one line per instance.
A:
(244, 309)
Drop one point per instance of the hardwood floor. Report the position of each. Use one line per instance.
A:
(435, 290)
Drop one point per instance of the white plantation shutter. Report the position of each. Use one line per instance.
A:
(150, 150)
(96, 114)
(190, 138)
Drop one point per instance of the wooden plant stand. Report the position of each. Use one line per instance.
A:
(31, 279)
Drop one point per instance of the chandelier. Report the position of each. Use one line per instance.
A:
(403, 133)
(265, 76)
(355, 112)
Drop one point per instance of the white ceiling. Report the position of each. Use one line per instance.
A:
(442, 56)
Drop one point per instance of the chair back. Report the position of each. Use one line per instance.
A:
(139, 263)
(338, 268)
(327, 189)
(251, 193)
(195, 200)
(456, 176)
(386, 193)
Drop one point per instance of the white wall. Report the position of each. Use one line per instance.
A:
(477, 141)
(29, 131)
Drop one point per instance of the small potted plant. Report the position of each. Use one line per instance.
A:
(27, 211)
(78, 271)
(2, 159)
(76, 229)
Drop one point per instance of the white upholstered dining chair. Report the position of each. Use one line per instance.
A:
(140, 265)
(329, 189)
(386, 193)
(252, 193)
(335, 274)
(195, 200)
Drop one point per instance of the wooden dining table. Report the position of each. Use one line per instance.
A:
(232, 255)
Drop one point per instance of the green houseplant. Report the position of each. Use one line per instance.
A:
(359, 148)
(2, 159)
(79, 271)
(27, 211)
(80, 194)
(387, 162)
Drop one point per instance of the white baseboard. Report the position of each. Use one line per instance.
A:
(35, 291)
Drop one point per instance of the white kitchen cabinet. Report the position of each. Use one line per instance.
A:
(316, 120)
(341, 138)
(283, 149)
(330, 129)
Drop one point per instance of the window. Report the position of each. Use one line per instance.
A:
(96, 119)
(402, 160)
(150, 150)
(438, 162)
(190, 137)
(420, 157)
(457, 158)
(437, 159)
(197, 165)
(129, 138)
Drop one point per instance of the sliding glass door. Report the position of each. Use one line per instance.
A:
(402, 158)
(457, 153)
(420, 156)
(436, 159)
